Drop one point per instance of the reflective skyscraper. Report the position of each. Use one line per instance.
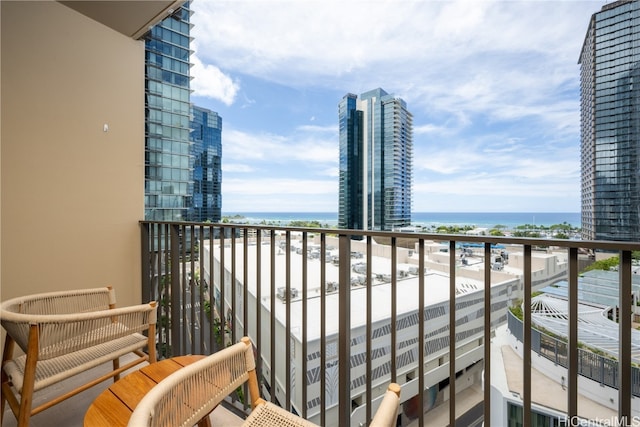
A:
(610, 123)
(206, 135)
(376, 154)
(168, 147)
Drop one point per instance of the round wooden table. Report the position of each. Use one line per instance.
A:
(114, 406)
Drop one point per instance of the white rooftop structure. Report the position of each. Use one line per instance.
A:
(436, 291)
(594, 328)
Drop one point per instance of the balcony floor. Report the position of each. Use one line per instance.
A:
(71, 411)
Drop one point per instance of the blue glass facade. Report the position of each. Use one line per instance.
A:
(376, 154)
(168, 157)
(206, 136)
(610, 124)
(350, 213)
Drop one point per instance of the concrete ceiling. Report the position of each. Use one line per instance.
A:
(132, 18)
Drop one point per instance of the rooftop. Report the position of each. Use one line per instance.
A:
(437, 284)
(594, 328)
(506, 371)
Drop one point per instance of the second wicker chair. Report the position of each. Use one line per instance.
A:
(187, 396)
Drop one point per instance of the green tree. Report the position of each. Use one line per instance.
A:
(526, 233)
(307, 224)
(453, 229)
(604, 264)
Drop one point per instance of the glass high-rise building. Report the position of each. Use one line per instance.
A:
(610, 123)
(376, 154)
(206, 135)
(168, 174)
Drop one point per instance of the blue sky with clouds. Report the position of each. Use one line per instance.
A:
(493, 87)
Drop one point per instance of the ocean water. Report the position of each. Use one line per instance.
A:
(477, 219)
(491, 219)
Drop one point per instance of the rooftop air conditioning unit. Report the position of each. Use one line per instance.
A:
(282, 293)
(332, 286)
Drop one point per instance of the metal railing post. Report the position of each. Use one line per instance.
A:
(572, 350)
(526, 350)
(452, 333)
(421, 332)
(145, 258)
(272, 314)
(305, 297)
(219, 303)
(211, 288)
(624, 367)
(394, 308)
(287, 345)
(487, 334)
(344, 334)
(369, 328)
(176, 332)
(323, 327)
(232, 290)
(258, 307)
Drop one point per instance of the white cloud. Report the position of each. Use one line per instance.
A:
(332, 37)
(279, 203)
(332, 172)
(237, 167)
(305, 147)
(261, 186)
(497, 167)
(429, 129)
(501, 58)
(239, 145)
(210, 82)
(499, 186)
(316, 128)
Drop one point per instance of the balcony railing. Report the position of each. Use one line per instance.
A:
(335, 315)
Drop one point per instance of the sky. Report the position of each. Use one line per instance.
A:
(493, 87)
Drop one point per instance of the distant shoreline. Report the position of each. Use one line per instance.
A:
(509, 220)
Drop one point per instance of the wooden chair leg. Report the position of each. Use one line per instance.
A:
(7, 354)
(152, 341)
(26, 396)
(116, 366)
(205, 422)
(3, 398)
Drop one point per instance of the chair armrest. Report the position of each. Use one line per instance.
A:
(388, 410)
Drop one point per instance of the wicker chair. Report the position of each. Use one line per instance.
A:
(63, 334)
(187, 396)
